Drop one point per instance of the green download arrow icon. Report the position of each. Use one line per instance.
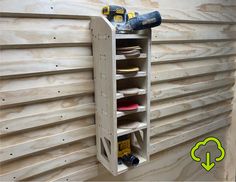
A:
(208, 165)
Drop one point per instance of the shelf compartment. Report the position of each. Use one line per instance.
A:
(131, 75)
(122, 131)
(123, 57)
(131, 36)
(124, 113)
(121, 95)
(122, 167)
(107, 83)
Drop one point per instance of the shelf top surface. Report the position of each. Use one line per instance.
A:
(131, 36)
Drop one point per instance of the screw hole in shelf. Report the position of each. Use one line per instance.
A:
(58, 91)
(6, 128)
(11, 153)
(51, 7)
(3, 99)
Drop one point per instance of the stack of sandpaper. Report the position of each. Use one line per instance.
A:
(132, 51)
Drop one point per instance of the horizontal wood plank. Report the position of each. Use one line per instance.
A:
(30, 95)
(46, 155)
(183, 136)
(158, 129)
(43, 119)
(159, 94)
(200, 12)
(180, 32)
(21, 149)
(164, 53)
(189, 72)
(50, 164)
(83, 174)
(164, 34)
(39, 66)
(158, 112)
(58, 173)
(23, 38)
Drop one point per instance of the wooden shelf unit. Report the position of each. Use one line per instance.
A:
(107, 82)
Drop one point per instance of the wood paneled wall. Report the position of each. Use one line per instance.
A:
(47, 104)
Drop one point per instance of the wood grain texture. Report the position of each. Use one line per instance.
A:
(22, 149)
(41, 35)
(168, 124)
(41, 167)
(46, 48)
(164, 53)
(175, 138)
(44, 93)
(198, 11)
(42, 119)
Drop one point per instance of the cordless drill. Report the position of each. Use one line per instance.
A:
(127, 22)
(124, 152)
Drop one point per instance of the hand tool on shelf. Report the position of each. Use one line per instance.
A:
(124, 151)
(128, 22)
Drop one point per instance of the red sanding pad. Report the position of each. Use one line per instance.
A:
(127, 106)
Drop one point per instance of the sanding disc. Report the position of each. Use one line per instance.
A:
(128, 70)
(133, 55)
(129, 91)
(133, 51)
(129, 125)
(130, 53)
(128, 48)
(127, 106)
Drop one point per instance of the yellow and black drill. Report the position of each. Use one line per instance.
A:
(126, 22)
(124, 152)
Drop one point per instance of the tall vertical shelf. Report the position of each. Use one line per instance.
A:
(108, 82)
